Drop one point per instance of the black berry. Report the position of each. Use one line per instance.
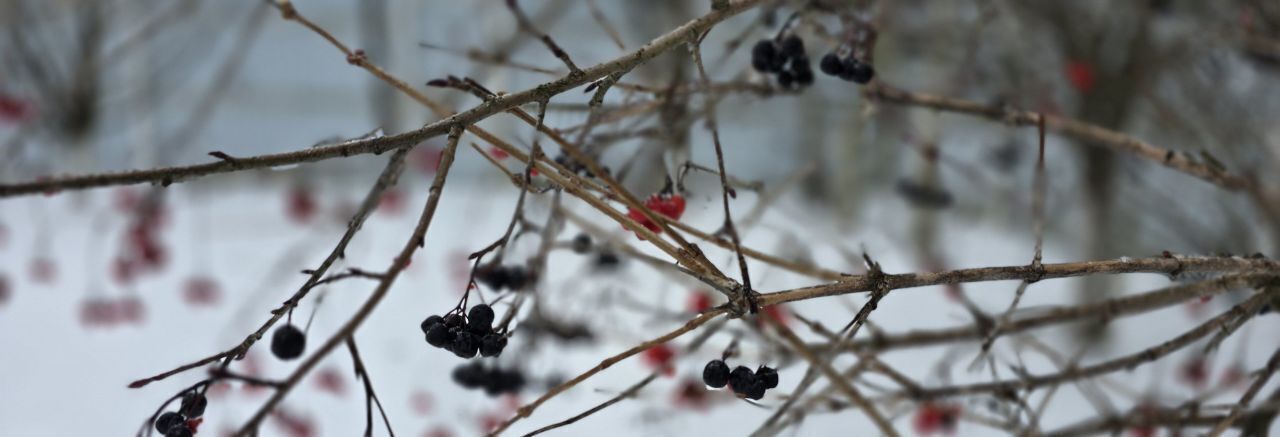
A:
(453, 320)
(715, 374)
(831, 65)
(785, 79)
(607, 260)
(288, 342)
(857, 71)
(481, 316)
(471, 375)
(439, 336)
(764, 56)
(767, 375)
(518, 278)
(465, 345)
(429, 322)
(493, 276)
(492, 345)
(193, 404)
(167, 420)
(793, 47)
(504, 381)
(741, 379)
(803, 74)
(755, 391)
(178, 431)
(581, 244)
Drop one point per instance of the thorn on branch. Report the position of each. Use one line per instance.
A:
(225, 157)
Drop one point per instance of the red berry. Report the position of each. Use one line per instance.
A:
(43, 270)
(200, 290)
(699, 302)
(300, 205)
(14, 109)
(294, 425)
(130, 309)
(426, 159)
(126, 200)
(392, 202)
(1195, 372)
(330, 380)
(123, 270)
(660, 357)
(1082, 76)
(692, 394)
(1233, 375)
(421, 402)
(936, 418)
(498, 154)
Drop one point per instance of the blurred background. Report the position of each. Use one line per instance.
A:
(101, 287)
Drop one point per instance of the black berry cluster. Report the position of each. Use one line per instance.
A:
(578, 167)
(581, 244)
(174, 423)
(848, 68)
(606, 260)
(493, 380)
(288, 342)
(465, 336)
(741, 379)
(497, 276)
(786, 59)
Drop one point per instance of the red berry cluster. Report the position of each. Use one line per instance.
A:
(660, 358)
(934, 418)
(668, 205)
(300, 204)
(102, 311)
(143, 249)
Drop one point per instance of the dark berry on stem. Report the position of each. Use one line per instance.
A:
(857, 71)
(792, 47)
(465, 345)
(715, 374)
(740, 379)
(581, 244)
(178, 431)
(439, 336)
(491, 345)
(470, 375)
(785, 79)
(804, 76)
(193, 404)
(755, 391)
(831, 65)
(481, 315)
(767, 375)
(493, 276)
(429, 322)
(167, 420)
(288, 342)
(453, 320)
(607, 260)
(764, 56)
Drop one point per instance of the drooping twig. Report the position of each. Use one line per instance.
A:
(401, 260)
